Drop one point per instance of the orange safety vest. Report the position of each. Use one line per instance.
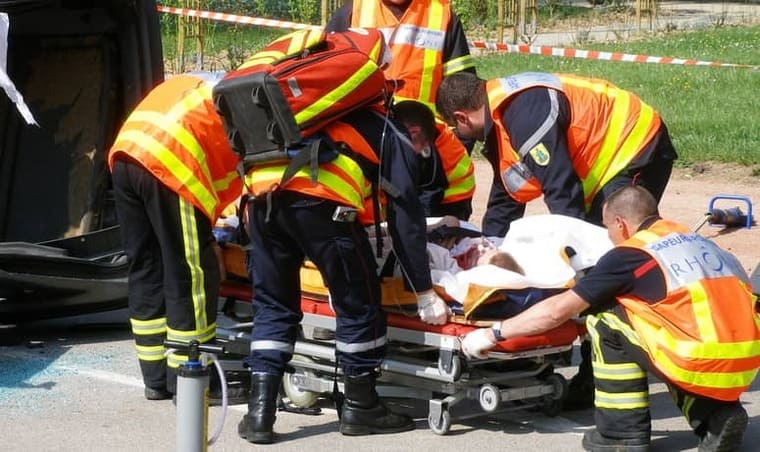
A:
(341, 180)
(609, 128)
(705, 335)
(459, 169)
(416, 41)
(176, 134)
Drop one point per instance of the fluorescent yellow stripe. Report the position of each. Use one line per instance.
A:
(148, 327)
(431, 60)
(720, 380)
(368, 15)
(647, 236)
(458, 65)
(201, 335)
(150, 352)
(621, 401)
(702, 313)
(624, 371)
(263, 57)
(193, 261)
(225, 182)
(344, 89)
(336, 184)
(177, 130)
(169, 160)
(612, 321)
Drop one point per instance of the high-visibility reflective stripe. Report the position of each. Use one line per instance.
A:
(430, 37)
(458, 65)
(343, 90)
(150, 352)
(224, 183)
(265, 57)
(367, 15)
(169, 159)
(193, 261)
(433, 53)
(551, 119)
(702, 313)
(359, 347)
(622, 400)
(177, 131)
(718, 380)
(148, 327)
(613, 322)
(461, 180)
(272, 345)
(175, 360)
(621, 371)
(350, 186)
(201, 335)
(614, 154)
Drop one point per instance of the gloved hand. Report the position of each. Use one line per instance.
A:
(431, 308)
(477, 343)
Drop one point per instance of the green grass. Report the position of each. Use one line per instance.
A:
(711, 112)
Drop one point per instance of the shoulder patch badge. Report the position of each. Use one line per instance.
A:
(540, 154)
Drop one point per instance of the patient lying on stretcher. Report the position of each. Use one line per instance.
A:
(487, 277)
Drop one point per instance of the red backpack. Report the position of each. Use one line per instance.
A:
(295, 86)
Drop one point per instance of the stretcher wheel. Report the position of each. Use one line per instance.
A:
(489, 398)
(440, 425)
(552, 403)
(454, 370)
(296, 395)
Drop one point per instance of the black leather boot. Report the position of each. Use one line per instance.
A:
(256, 426)
(365, 414)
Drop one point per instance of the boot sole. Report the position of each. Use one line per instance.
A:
(361, 430)
(259, 438)
(730, 437)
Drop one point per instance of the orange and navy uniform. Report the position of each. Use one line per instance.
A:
(570, 139)
(677, 306)
(299, 219)
(173, 173)
(427, 42)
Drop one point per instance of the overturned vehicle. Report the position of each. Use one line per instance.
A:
(81, 66)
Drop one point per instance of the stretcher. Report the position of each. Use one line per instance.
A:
(423, 362)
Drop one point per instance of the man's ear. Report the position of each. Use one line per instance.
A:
(461, 117)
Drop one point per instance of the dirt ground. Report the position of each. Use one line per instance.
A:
(686, 200)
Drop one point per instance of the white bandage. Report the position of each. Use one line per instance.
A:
(431, 308)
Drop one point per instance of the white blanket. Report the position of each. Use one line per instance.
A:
(537, 243)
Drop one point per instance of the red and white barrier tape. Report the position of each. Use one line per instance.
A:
(234, 18)
(599, 55)
(511, 48)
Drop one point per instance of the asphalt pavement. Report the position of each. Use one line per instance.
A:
(73, 385)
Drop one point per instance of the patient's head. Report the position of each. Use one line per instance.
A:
(501, 259)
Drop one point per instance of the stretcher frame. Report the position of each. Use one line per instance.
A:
(425, 362)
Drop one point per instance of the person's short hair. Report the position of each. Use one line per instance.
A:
(460, 91)
(504, 260)
(633, 202)
(410, 112)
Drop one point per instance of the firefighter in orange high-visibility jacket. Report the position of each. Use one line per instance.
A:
(664, 300)
(427, 43)
(447, 174)
(173, 173)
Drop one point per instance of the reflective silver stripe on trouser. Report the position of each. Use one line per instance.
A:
(284, 347)
(359, 347)
(548, 123)
(621, 393)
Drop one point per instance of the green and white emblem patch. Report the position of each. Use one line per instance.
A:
(540, 154)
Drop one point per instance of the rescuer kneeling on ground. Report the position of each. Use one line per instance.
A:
(664, 300)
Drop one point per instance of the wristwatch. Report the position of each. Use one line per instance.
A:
(496, 329)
